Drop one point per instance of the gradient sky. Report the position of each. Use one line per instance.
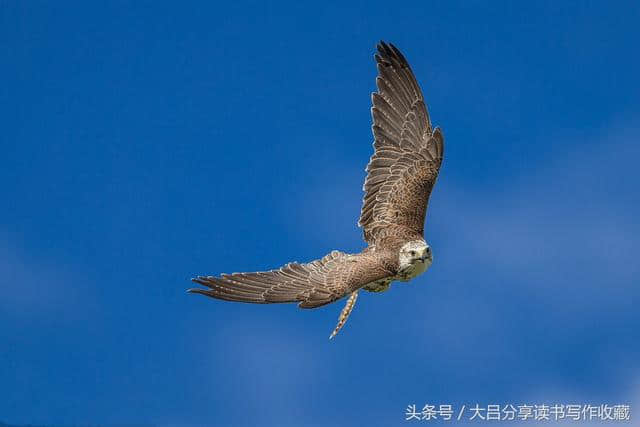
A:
(145, 143)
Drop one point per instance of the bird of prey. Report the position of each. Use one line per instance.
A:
(407, 156)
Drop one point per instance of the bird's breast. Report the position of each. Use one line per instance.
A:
(411, 271)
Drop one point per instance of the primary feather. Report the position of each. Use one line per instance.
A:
(401, 173)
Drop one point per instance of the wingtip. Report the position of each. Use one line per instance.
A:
(194, 280)
(389, 53)
(200, 280)
(197, 291)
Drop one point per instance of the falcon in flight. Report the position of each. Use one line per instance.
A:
(407, 156)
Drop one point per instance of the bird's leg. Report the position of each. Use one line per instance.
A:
(344, 314)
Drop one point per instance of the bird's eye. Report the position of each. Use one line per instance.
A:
(413, 253)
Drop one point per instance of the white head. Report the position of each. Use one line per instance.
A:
(415, 255)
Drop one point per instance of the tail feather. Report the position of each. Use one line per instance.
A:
(344, 314)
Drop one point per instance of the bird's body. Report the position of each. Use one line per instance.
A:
(407, 156)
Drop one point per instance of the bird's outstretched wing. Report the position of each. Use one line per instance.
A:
(408, 152)
(312, 285)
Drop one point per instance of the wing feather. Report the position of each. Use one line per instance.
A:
(408, 152)
(312, 284)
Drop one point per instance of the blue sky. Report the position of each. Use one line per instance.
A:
(146, 143)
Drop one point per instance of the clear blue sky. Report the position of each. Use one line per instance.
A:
(145, 143)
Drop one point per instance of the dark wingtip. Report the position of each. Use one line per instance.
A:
(382, 48)
(199, 280)
(386, 54)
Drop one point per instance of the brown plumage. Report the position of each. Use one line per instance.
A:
(407, 153)
(407, 156)
(311, 285)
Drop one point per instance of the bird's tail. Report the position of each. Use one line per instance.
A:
(344, 314)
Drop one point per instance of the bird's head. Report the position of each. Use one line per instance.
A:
(415, 253)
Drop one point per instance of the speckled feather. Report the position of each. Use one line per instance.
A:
(407, 155)
(401, 174)
(311, 285)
